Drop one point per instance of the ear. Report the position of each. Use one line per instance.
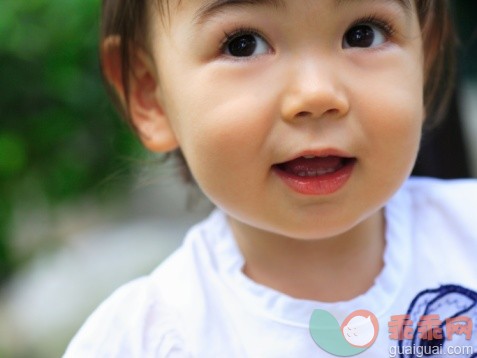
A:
(145, 108)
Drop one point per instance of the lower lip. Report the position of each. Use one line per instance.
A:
(325, 184)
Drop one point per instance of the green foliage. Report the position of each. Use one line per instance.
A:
(56, 125)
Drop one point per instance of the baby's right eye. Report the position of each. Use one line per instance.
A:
(245, 43)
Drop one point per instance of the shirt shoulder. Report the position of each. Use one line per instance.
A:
(443, 230)
(452, 201)
(132, 322)
(146, 317)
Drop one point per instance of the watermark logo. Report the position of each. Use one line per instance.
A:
(426, 335)
(357, 333)
(429, 327)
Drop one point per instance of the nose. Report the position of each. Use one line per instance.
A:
(314, 90)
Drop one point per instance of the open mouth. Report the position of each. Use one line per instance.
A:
(316, 175)
(312, 166)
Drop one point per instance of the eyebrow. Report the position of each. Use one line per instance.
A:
(405, 4)
(213, 7)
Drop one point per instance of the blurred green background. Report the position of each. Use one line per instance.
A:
(60, 139)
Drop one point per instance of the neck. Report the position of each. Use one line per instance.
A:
(328, 270)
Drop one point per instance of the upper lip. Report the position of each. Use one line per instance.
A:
(327, 152)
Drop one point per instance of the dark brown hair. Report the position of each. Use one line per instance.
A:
(128, 20)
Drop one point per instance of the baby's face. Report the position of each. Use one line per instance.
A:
(254, 89)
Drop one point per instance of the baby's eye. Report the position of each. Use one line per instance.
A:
(364, 35)
(245, 44)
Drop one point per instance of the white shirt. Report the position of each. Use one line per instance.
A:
(198, 303)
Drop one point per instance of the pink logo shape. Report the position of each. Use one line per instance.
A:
(360, 328)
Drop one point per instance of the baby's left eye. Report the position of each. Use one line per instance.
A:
(364, 35)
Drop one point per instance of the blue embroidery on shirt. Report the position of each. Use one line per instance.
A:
(447, 301)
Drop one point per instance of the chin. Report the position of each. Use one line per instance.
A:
(321, 228)
(313, 231)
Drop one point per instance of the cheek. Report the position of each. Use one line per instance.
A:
(397, 128)
(398, 104)
(222, 128)
(219, 115)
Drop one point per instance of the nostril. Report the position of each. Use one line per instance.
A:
(332, 111)
(303, 114)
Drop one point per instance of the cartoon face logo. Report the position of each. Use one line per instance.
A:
(359, 331)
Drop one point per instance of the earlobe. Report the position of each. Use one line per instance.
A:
(145, 106)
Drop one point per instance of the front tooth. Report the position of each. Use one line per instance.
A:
(302, 173)
(325, 171)
(312, 173)
(308, 156)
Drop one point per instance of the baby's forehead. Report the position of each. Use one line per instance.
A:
(202, 6)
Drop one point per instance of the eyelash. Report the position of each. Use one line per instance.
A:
(382, 24)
